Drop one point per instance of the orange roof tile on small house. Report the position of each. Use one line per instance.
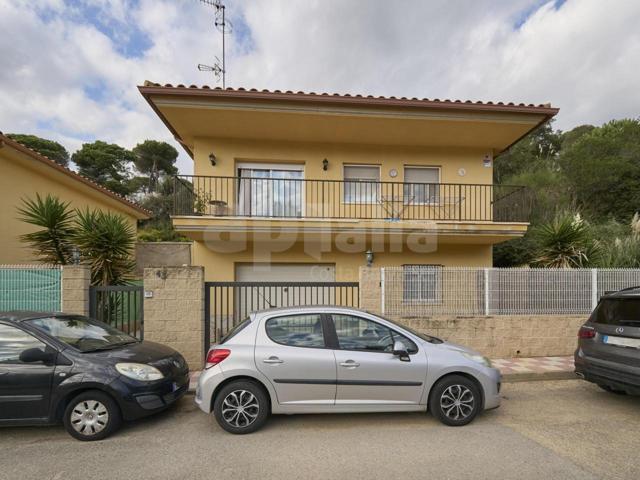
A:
(125, 204)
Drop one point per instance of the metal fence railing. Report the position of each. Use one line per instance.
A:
(120, 306)
(307, 198)
(30, 287)
(228, 303)
(415, 291)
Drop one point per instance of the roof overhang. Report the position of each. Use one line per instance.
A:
(201, 112)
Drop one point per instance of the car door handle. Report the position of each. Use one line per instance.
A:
(272, 360)
(349, 364)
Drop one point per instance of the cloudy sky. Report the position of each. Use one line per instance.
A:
(69, 68)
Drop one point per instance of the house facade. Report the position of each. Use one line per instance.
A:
(23, 173)
(310, 187)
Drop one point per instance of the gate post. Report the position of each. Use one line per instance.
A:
(370, 289)
(76, 280)
(486, 291)
(174, 310)
(594, 288)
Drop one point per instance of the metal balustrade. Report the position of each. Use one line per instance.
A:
(345, 199)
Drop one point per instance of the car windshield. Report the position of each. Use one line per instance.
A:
(83, 333)
(423, 336)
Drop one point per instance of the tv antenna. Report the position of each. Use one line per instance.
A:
(225, 27)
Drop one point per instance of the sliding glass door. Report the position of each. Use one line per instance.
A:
(276, 191)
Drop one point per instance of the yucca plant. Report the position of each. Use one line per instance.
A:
(106, 243)
(623, 251)
(52, 243)
(564, 242)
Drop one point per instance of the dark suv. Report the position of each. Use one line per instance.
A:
(608, 351)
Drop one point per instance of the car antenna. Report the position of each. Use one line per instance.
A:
(264, 298)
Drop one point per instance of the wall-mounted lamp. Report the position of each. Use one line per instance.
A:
(369, 256)
(212, 159)
(325, 164)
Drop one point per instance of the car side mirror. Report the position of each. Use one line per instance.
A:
(400, 351)
(32, 355)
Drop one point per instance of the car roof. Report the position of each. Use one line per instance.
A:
(630, 292)
(308, 308)
(22, 315)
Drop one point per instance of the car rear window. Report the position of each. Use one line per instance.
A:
(617, 311)
(237, 329)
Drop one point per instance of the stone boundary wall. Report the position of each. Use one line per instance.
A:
(505, 336)
(496, 336)
(162, 254)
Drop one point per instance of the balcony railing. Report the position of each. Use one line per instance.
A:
(348, 199)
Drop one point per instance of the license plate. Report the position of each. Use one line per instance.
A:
(621, 341)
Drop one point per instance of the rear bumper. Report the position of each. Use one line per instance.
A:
(602, 372)
(137, 399)
(208, 381)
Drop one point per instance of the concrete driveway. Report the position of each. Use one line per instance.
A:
(544, 430)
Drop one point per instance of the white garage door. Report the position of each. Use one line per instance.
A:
(258, 297)
(285, 272)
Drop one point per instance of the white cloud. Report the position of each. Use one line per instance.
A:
(65, 75)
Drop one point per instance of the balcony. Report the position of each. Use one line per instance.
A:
(287, 198)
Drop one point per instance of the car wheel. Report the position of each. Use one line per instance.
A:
(241, 407)
(91, 416)
(609, 389)
(455, 400)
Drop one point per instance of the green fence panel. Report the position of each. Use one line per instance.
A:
(30, 288)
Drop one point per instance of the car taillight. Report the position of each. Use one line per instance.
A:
(586, 332)
(215, 356)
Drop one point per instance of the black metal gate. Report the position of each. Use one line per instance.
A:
(120, 306)
(228, 303)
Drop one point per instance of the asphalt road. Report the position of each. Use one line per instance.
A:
(543, 430)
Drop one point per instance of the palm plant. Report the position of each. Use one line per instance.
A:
(564, 242)
(53, 242)
(105, 240)
(106, 243)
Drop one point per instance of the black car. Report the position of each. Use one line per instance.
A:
(56, 367)
(608, 351)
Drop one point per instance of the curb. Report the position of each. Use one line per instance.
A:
(533, 377)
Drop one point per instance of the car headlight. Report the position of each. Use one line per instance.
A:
(478, 359)
(139, 371)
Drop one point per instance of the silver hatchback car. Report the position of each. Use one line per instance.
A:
(336, 360)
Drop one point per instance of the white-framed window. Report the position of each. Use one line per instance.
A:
(421, 185)
(270, 190)
(422, 283)
(361, 183)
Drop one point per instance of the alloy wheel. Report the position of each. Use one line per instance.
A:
(240, 408)
(457, 402)
(89, 417)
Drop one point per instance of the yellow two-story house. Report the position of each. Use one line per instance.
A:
(310, 187)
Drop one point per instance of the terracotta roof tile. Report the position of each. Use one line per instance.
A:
(541, 106)
(67, 171)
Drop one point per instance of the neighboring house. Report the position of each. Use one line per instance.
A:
(23, 173)
(298, 187)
